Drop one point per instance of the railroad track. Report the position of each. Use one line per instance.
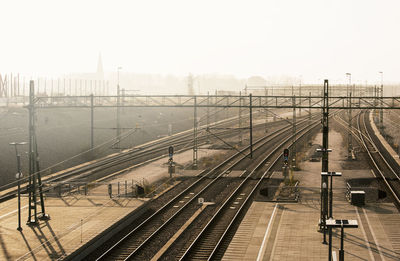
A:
(215, 236)
(383, 165)
(118, 161)
(145, 240)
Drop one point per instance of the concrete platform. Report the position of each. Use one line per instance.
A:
(75, 219)
(383, 141)
(275, 231)
(289, 231)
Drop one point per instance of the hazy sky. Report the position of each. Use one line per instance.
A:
(313, 38)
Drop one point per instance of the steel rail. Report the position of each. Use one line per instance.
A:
(240, 186)
(208, 185)
(143, 152)
(381, 173)
(133, 154)
(259, 165)
(262, 140)
(362, 137)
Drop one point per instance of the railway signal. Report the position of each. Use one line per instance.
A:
(285, 163)
(171, 167)
(285, 156)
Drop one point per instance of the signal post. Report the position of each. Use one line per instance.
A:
(171, 166)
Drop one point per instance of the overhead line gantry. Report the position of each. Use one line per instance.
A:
(320, 101)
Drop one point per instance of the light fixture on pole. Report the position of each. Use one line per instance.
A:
(18, 176)
(342, 224)
(331, 174)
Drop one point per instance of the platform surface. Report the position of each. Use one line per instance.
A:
(74, 220)
(289, 231)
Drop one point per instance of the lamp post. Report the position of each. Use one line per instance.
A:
(18, 177)
(342, 224)
(331, 174)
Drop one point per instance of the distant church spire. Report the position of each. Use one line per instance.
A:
(100, 71)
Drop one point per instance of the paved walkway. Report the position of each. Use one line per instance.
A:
(289, 231)
(75, 219)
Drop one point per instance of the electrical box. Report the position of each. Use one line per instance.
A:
(357, 197)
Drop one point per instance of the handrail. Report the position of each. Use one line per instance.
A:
(348, 191)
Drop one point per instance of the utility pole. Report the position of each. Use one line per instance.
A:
(324, 150)
(309, 105)
(35, 182)
(300, 97)
(251, 125)
(208, 117)
(91, 121)
(240, 119)
(266, 109)
(294, 149)
(381, 110)
(216, 109)
(276, 102)
(18, 90)
(195, 133)
(123, 100)
(18, 177)
(350, 126)
(118, 110)
(349, 136)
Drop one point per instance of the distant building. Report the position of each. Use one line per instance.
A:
(256, 81)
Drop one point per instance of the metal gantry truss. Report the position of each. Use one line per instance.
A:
(219, 101)
(35, 183)
(317, 99)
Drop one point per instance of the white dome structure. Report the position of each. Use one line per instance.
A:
(256, 81)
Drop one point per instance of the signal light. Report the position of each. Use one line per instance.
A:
(286, 152)
(286, 155)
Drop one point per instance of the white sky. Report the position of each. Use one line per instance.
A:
(313, 38)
